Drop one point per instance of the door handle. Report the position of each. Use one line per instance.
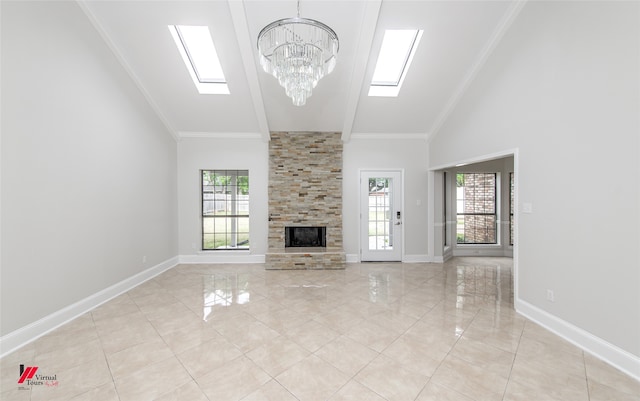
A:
(398, 223)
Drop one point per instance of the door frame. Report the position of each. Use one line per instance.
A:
(381, 172)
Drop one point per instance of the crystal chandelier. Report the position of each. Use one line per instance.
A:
(298, 52)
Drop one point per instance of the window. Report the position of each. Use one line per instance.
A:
(511, 199)
(199, 54)
(444, 208)
(476, 208)
(380, 218)
(396, 54)
(225, 209)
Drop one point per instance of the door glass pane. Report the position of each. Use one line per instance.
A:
(380, 236)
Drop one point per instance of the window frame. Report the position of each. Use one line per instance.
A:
(512, 183)
(445, 233)
(392, 88)
(233, 202)
(204, 86)
(495, 213)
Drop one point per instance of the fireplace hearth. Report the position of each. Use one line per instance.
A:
(305, 237)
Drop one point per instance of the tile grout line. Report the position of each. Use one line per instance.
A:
(106, 360)
(515, 355)
(448, 353)
(586, 376)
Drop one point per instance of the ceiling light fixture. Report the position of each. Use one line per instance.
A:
(299, 52)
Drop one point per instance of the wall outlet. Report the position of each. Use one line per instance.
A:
(144, 259)
(550, 296)
(193, 245)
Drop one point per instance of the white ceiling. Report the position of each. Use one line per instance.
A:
(458, 36)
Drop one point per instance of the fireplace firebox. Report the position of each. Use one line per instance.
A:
(305, 236)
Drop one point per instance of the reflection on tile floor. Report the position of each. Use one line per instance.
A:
(375, 331)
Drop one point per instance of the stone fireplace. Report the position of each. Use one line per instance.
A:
(305, 201)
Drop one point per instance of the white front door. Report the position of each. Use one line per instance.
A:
(381, 216)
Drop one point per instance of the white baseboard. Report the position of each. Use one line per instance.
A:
(448, 253)
(221, 257)
(492, 252)
(24, 335)
(352, 258)
(416, 259)
(609, 353)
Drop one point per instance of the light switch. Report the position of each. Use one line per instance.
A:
(527, 207)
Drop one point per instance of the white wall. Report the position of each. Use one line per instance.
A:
(388, 154)
(563, 88)
(195, 154)
(88, 171)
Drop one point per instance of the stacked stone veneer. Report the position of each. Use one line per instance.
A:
(305, 189)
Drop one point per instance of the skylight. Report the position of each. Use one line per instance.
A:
(199, 54)
(396, 53)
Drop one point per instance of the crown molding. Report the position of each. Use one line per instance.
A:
(369, 136)
(219, 135)
(118, 54)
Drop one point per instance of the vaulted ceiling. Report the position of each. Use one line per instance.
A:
(458, 37)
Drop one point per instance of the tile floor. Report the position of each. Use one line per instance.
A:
(371, 332)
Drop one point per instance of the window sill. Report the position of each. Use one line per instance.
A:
(218, 251)
(479, 246)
